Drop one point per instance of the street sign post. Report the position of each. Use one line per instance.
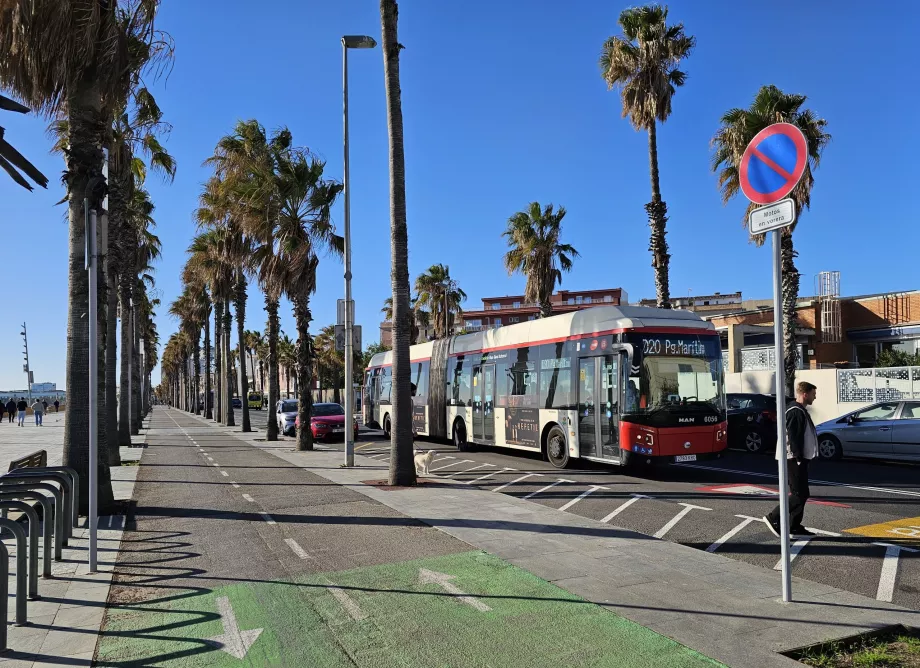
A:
(771, 167)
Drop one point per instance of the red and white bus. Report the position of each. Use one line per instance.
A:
(608, 384)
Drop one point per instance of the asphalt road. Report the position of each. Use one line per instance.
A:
(867, 514)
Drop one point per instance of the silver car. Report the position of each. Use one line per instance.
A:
(286, 413)
(886, 430)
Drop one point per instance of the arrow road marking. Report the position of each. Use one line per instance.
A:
(889, 571)
(348, 603)
(619, 509)
(677, 518)
(443, 580)
(234, 642)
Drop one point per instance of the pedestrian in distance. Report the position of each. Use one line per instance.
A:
(801, 448)
(38, 410)
(2, 409)
(21, 407)
(57, 406)
(11, 408)
(44, 405)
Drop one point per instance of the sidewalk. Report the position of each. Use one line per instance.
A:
(720, 607)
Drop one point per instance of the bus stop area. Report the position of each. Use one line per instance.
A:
(244, 552)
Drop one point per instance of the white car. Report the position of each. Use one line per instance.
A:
(285, 414)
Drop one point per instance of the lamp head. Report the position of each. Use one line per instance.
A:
(358, 42)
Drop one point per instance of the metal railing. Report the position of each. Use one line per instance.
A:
(878, 384)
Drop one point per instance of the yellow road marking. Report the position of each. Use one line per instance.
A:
(903, 529)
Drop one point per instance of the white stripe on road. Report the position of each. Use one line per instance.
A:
(235, 486)
(346, 602)
(488, 475)
(441, 459)
(587, 492)
(731, 534)
(619, 509)
(548, 487)
(225, 474)
(210, 457)
(523, 477)
(268, 518)
(800, 544)
(462, 461)
(889, 571)
(481, 466)
(885, 490)
(299, 551)
(249, 498)
(216, 464)
(677, 518)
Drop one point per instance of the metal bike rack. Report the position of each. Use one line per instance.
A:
(21, 574)
(32, 516)
(17, 487)
(62, 479)
(4, 592)
(66, 471)
(19, 497)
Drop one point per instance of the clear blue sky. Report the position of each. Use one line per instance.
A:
(503, 104)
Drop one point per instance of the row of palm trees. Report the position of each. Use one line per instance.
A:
(86, 66)
(263, 215)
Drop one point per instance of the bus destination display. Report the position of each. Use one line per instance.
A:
(666, 346)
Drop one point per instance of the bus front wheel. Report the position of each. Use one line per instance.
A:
(386, 426)
(557, 452)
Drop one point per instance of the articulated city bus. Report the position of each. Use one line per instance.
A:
(608, 384)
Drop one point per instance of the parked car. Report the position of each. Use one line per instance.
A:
(236, 402)
(885, 430)
(328, 422)
(286, 414)
(255, 401)
(752, 421)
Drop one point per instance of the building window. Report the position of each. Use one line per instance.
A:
(579, 299)
(531, 317)
(571, 300)
(607, 299)
(706, 303)
(497, 321)
(517, 304)
(496, 306)
(473, 323)
(587, 300)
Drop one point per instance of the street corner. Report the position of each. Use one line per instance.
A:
(469, 609)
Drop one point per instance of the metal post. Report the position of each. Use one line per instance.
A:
(32, 517)
(22, 581)
(28, 368)
(93, 389)
(129, 322)
(781, 414)
(349, 342)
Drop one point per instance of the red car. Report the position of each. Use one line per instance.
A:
(327, 422)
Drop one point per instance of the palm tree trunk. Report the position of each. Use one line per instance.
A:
(218, 361)
(196, 391)
(136, 417)
(402, 465)
(241, 336)
(124, 404)
(208, 413)
(303, 317)
(790, 316)
(84, 167)
(228, 361)
(274, 390)
(657, 211)
(111, 360)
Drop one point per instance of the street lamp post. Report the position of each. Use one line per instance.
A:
(349, 42)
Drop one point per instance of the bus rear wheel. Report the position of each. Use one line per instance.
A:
(386, 426)
(459, 436)
(557, 452)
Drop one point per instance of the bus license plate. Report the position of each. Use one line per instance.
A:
(685, 458)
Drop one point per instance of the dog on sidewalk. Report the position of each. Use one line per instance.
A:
(423, 461)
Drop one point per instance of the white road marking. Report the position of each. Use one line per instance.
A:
(441, 459)
(800, 544)
(347, 602)
(249, 498)
(523, 477)
(462, 461)
(885, 490)
(216, 464)
(268, 518)
(209, 457)
(443, 580)
(587, 492)
(488, 475)
(234, 641)
(548, 487)
(677, 518)
(225, 474)
(619, 509)
(889, 571)
(235, 486)
(731, 533)
(299, 551)
(481, 466)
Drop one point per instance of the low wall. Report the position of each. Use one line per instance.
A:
(826, 406)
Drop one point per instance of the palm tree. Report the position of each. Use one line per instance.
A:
(420, 318)
(287, 358)
(304, 229)
(643, 64)
(533, 236)
(402, 464)
(738, 128)
(440, 294)
(11, 160)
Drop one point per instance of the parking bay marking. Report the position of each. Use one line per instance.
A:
(677, 518)
(523, 477)
(481, 466)
(581, 496)
(889, 571)
(746, 519)
(623, 506)
(548, 487)
(462, 461)
(799, 545)
(489, 475)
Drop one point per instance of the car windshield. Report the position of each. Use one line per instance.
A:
(324, 410)
(289, 407)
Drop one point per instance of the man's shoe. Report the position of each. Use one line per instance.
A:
(774, 529)
(802, 532)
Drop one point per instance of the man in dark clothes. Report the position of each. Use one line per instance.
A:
(11, 408)
(801, 448)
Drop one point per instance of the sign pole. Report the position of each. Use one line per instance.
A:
(93, 386)
(781, 413)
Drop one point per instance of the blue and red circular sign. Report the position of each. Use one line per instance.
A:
(773, 163)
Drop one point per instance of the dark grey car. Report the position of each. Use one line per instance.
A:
(886, 430)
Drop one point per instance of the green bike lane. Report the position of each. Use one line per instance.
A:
(236, 558)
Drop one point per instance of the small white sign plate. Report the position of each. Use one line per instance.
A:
(772, 217)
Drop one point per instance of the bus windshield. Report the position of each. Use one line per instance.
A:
(675, 373)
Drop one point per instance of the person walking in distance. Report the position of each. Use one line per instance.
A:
(38, 409)
(21, 407)
(57, 406)
(11, 408)
(801, 448)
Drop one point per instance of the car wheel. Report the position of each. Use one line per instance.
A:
(557, 451)
(753, 441)
(459, 436)
(386, 426)
(829, 447)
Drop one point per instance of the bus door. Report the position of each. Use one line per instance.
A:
(371, 392)
(599, 406)
(484, 403)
